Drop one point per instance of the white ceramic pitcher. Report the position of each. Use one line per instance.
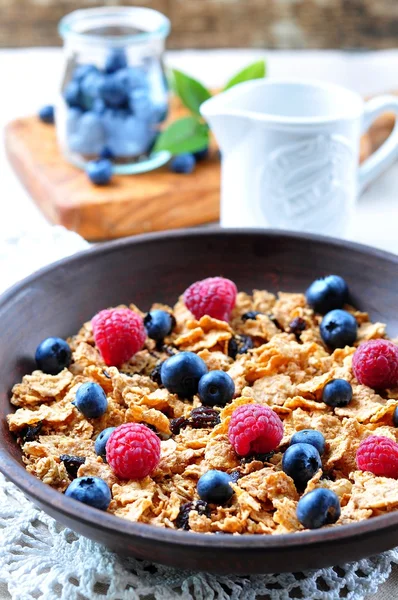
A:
(290, 153)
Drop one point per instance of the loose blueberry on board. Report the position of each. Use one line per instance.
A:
(115, 60)
(90, 490)
(99, 171)
(47, 114)
(181, 373)
(90, 400)
(318, 508)
(53, 355)
(100, 442)
(395, 417)
(159, 324)
(201, 154)
(182, 163)
(337, 393)
(301, 462)
(214, 487)
(309, 436)
(216, 388)
(338, 329)
(327, 293)
(72, 94)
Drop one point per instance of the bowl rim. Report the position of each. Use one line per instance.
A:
(111, 524)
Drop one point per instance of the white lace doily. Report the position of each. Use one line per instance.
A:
(42, 560)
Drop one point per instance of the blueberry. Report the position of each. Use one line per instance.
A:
(90, 400)
(338, 329)
(309, 436)
(216, 388)
(160, 113)
(182, 163)
(82, 71)
(181, 373)
(201, 154)
(327, 293)
(73, 120)
(106, 153)
(158, 324)
(98, 106)
(100, 442)
(127, 136)
(53, 355)
(113, 92)
(214, 486)
(72, 94)
(301, 462)
(90, 137)
(131, 78)
(47, 114)
(115, 60)
(395, 417)
(141, 105)
(90, 490)
(317, 508)
(99, 171)
(337, 392)
(89, 88)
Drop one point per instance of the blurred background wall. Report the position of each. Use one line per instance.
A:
(226, 23)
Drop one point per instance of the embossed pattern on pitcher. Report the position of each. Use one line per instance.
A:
(305, 180)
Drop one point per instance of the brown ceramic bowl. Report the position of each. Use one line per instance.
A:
(58, 299)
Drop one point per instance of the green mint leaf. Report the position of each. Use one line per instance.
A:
(191, 92)
(184, 135)
(256, 70)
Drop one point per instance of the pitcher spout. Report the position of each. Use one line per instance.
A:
(226, 119)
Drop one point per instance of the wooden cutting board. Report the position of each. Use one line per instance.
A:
(131, 204)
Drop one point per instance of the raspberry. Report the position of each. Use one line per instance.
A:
(214, 296)
(119, 333)
(133, 451)
(254, 428)
(379, 455)
(375, 364)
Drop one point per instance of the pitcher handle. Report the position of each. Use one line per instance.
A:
(388, 151)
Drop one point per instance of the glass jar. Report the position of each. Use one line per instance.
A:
(114, 92)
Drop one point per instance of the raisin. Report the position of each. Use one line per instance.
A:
(177, 424)
(203, 416)
(182, 521)
(275, 321)
(72, 463)
(155, 374)
(239, 344)
(32, 432)
(151, 427)
(297, 326)
(261, 457)
(328, 475)
(251, 315)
